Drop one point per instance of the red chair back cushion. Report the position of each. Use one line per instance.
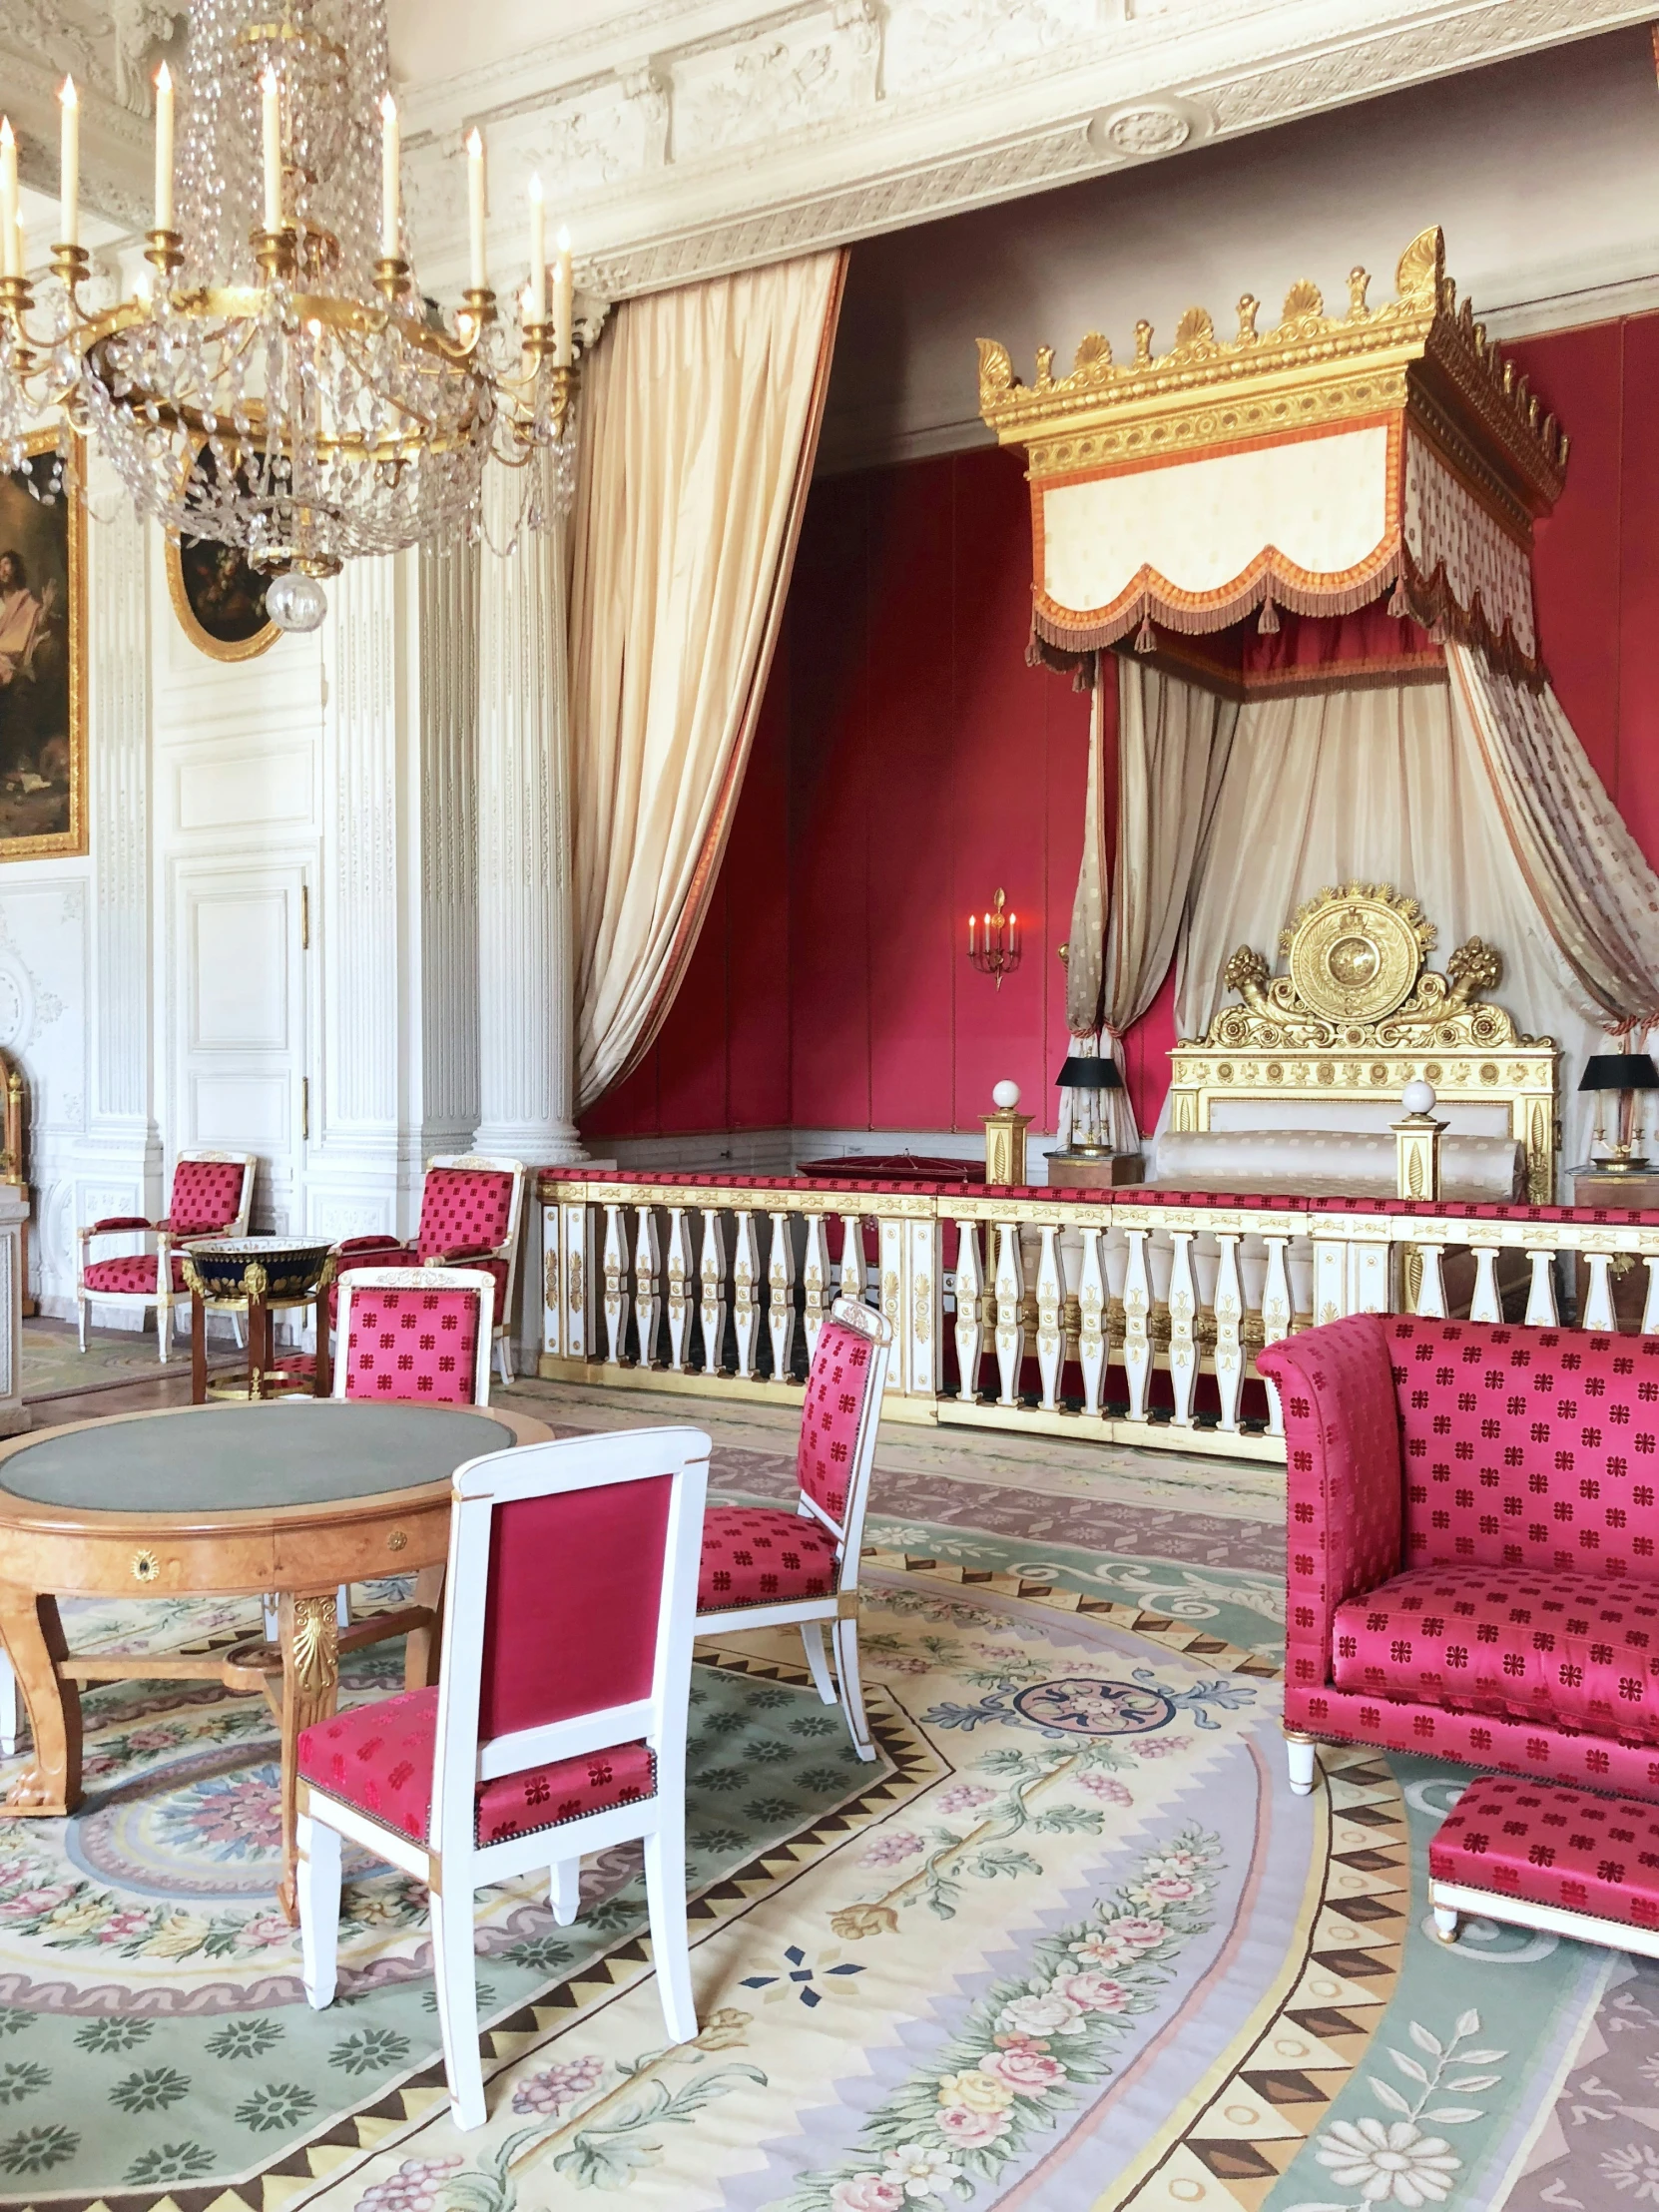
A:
(206, 1194)
(835, 1392)
(1529, 1447)
(415, 1345)
(575, 1591)
(463, 1207)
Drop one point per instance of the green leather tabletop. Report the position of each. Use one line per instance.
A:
(296, 1452)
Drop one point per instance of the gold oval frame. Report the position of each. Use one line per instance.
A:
(215, 648)
(1381, 947)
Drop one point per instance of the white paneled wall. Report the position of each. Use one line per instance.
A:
(272, 945)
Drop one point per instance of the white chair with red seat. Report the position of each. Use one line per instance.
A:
(472, 1208)
(213, 1196)
(765, 1567)
(557, 1728)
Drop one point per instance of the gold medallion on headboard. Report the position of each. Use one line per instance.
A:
(1360, 1015)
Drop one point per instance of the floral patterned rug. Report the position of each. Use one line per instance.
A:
(1069, 1945)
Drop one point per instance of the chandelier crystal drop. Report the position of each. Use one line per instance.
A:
(281, 385)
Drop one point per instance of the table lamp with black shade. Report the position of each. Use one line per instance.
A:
(1087, 1076)
(1619, 1075)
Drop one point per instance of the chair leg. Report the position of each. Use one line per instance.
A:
(342, 1605)
(852, 1693)
(1446, 1923)
(1300, 1750)
(273, 1620)
(8, 1706)
(81, 1305)
(318, 1884)
(235, 1332)
(503, 1359)
(164, 1329)
(664, 1895)
(457, 1987)
(823, 1682)
(565, 1892)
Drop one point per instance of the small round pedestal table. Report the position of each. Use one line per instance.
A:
(295, 1496)
(261, 1277)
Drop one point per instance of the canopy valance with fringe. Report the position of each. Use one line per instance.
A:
(1315, 467)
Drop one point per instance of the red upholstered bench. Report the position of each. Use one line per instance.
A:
(1539, 1855)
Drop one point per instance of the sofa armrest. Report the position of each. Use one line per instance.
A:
(1345, 1480)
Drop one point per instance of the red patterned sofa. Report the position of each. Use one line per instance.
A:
(1471, 1565)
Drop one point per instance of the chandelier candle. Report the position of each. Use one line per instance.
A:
(475, 207)
(564, 301)
(68, 193)
(271, 122)
(538, 255)
(390, 151)
(10, 256)
(163, 149)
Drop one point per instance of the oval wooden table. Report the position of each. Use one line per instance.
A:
(290, 1496)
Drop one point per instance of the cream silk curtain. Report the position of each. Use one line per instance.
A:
(1173, 743)
(1587, 873)
(701, 416)
(1383, 785)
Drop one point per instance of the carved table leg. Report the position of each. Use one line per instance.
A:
(34, 1641)
(311, 1686)
(422, 1645)
(197, 1349)
(258, 1347)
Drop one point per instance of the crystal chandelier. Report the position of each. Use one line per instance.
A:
(279, 384)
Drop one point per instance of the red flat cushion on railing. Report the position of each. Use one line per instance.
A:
(1551, 1845)
(378, 1758)
(1569, 1650)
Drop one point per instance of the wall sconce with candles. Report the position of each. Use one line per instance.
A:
(993, 941)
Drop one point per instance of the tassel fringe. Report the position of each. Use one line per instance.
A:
(1145, 636)
(1268, 621)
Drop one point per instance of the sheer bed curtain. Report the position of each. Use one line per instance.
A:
(1383, 785)
(1173, 743)
(702, 410)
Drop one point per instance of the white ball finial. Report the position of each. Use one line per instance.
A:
(1418, 1097)
(1005, 1095)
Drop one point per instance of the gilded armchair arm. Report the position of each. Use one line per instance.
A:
(117, 1225)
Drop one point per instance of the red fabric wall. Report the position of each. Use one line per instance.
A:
(908, 762)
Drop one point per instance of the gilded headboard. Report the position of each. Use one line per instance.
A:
(1358, 1016)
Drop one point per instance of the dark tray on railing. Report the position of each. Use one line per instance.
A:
(892, 1167)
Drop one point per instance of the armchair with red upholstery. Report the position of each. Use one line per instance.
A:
(471, 1206)
(213, 1196)
(1470, 1555)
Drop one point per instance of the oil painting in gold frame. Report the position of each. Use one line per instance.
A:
(42, 655)
(217, 598)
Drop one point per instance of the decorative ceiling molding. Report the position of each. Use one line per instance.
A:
(695, 136)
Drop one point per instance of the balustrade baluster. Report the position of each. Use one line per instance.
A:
(852, 1257)
(889, 1250)
(1050, 1298)
(781, 1297)
(814, 1275)
(1137, 1314)
(1542, 1309)
(1227, 1309)
(616, 1286)
(924, 1307)
(745, 1276)
(1430, 1298)
(1010, 1297)
(970, 1311)
(648, 1283)
(1276, 1318)
(1183, 1312)
(1598, 1299)
(1330, 1278)
(1091, 1335)
(678, 1301)
(1486, 1303)
(712, 1275)
(578, 1272)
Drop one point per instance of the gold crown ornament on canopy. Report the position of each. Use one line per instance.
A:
(1312, 466)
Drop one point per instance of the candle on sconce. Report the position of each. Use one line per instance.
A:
(971, 936)
(69, 190)
(164, 148)
(270, 120)
(564, 304)
(538, 254)
(390, 149)
(11, 264)
(475, 206)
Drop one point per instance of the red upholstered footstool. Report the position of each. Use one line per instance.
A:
(1538, 1855)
